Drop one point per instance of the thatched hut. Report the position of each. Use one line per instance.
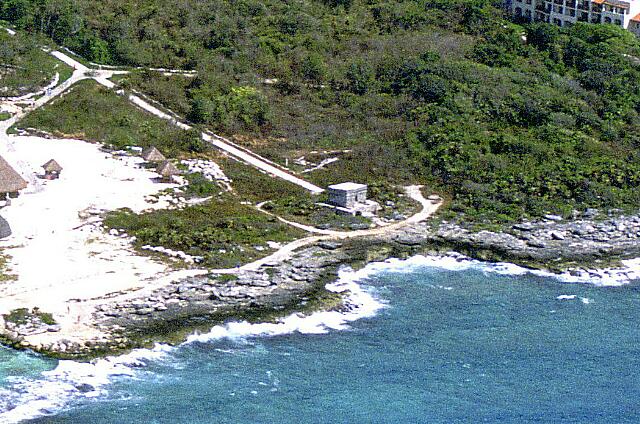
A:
(151, 154)
(52, 170)
(10, 181)
(167, 170)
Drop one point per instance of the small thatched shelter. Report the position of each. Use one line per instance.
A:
(151, 154)
(10, 181)
(52, 170)
(167, 170)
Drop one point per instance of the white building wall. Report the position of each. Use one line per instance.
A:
(566, 12)
(634, 10)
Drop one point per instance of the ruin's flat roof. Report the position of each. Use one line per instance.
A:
(347, 186)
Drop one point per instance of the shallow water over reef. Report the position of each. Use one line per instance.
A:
(452, 344)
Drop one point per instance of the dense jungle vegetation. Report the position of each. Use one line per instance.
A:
(510, 119)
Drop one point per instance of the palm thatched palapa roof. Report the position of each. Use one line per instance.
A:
(167, 169)
(52, 166)
(10, 180)
(151, 154)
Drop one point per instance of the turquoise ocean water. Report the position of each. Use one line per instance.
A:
(453, 343)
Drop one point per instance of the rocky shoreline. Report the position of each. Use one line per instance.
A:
(587, 241)
(172, 312)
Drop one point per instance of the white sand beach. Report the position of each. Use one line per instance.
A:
(61, 257)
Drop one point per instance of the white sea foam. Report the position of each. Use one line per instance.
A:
(604, 277)
(566, 297)
(452, 261)
(359, 303)
(70, 380)
(584, 300)
(30, 398)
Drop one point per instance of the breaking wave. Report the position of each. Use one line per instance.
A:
(70, 381)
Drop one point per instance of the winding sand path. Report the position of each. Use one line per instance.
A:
(429, 207)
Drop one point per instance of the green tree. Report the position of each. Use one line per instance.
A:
(360, 77)
(313, 68)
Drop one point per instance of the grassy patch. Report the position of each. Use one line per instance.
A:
(64, 70)
(291, 202)
(200, 186)
(392, 199)
(94, 113)
(24, 67)
(22, 316)
(226, 278)
(169, 90)
(305, 210)
(253, 185)
(4, 272)
(222, 231)
(4, 116)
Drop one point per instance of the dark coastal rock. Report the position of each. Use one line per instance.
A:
(590, 213)
(5, 229)
(260, 283)
(330, 245)
(538, 244)
(581, 229)
(525, 226)
(85, 388)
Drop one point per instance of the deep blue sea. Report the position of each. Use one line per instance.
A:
(452, 344)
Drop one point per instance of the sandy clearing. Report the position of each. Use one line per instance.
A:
(56, 258)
